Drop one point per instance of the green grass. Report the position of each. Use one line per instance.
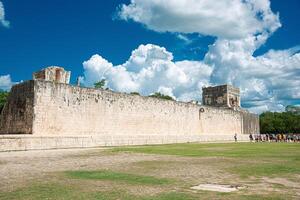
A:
(238, 150)
(125, 196)
(63, 192)
(246, 159)
(117, 176)
(243, 159)
(43, 191)
(66, 192)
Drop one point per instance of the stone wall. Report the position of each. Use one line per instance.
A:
(31, 142)
(55, 109)
(250, 123)
(70, 110)
(17, 114)
(220, 121)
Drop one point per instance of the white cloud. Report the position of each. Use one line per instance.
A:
(150, 69)
(184, 38)
(166, 91)
(4, 22)
(230, 19)
(268, 82)
(6, 82)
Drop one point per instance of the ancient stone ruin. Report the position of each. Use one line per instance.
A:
(222, 96)
(48, 112)
(53, 73)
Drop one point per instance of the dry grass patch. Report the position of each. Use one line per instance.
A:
(159, 172)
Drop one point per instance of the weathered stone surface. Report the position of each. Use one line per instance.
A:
(17, 114)
(221, 96)
(32, 142)
(56, 109)
(53, 73)
(250, 123)
(48, 113)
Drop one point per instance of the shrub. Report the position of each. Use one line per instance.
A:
(161, 96)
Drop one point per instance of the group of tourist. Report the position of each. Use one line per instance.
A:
(274, 137)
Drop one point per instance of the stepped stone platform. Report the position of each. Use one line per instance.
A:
(30, 142)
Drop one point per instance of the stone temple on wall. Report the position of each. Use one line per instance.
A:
(47, 112)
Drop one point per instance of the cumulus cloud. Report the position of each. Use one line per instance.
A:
(150, 69)
(4, 22)
(6, 82)
(224, 19)
(268, 82)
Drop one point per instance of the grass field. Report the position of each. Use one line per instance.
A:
(250, 159)
(159, 172)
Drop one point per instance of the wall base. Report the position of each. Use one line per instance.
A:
(29, 142)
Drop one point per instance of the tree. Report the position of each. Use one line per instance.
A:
(285, 122)
(3, 99)
(100, 84)
(161, 96)
(134, 93)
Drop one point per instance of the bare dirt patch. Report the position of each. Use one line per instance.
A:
(20, 169)
(282, 181)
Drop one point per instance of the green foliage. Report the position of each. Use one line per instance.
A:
(161, 96)
(116, 176)
(134, 93)
(3, 99)
(285, 122)
(100, 84)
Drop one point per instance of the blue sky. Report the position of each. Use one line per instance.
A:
(104, 34)
(56, 32)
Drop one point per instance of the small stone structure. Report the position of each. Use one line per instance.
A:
(53, 73)
(48, 113)
(222, 96)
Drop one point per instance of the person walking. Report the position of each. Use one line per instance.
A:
(235, 137)
(251, 137)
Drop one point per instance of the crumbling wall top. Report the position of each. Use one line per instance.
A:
(222, 96)
(53, 73)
